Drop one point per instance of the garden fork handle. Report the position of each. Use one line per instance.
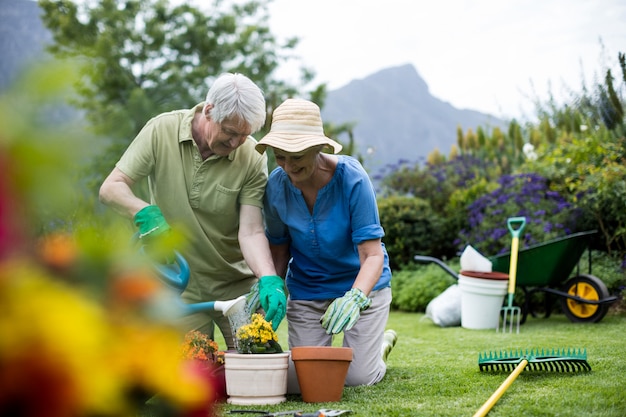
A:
(513, 270)
(520, 221)
(515, 232)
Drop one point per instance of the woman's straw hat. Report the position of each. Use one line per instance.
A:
(296, 126)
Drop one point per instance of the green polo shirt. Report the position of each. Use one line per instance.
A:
(200, 198)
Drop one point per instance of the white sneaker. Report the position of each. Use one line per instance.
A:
(389, 341)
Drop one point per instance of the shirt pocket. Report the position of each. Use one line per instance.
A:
(223, 201)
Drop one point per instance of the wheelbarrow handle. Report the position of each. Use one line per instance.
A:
(427, 259)
(519, 221)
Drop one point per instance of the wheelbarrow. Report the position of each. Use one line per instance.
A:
(547, 268)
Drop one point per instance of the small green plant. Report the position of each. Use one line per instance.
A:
(257, 337)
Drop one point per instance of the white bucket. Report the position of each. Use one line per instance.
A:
(482, 296)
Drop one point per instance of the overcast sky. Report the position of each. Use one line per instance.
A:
(486, 55)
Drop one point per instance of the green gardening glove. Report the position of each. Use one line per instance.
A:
(273, 299)
(152, 225)
(344, 312)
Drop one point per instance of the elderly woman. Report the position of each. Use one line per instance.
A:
(325, 236)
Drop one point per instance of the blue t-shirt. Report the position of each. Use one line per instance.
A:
(323, 246)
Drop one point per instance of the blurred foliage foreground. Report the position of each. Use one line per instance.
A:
(78, 336)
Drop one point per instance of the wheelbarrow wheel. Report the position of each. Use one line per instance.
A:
(588, 287)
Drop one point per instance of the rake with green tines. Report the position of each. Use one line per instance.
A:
(556, 360)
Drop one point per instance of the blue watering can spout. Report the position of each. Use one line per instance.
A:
(176, 276)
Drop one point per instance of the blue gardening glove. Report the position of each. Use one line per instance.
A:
(344, 312)
(152, 225)
(273, 299)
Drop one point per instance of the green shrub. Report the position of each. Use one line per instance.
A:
(411, 227)
(588, 170)
(605, 267)
(414, 288)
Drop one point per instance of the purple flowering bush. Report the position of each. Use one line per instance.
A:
(441, 191)
(548, 215)
(436, 182)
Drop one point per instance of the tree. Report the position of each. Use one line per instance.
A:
(142, 57)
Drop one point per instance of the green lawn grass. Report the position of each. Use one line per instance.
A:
(434, 371)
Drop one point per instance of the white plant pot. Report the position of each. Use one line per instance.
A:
(256, 379)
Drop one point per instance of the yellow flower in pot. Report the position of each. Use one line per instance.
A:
(257, 337)
(257, 372)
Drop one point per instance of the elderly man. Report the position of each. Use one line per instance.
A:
(207, 181)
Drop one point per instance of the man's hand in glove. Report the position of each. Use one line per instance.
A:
(152, 226)
(272, 298)
(344, 312)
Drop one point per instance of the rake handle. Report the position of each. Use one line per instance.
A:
(482, 411)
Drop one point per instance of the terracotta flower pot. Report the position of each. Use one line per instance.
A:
(321, 371)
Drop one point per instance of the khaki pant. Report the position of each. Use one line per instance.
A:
(365, 338)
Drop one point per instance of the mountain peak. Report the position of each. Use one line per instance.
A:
(405, 77)
(396, 118)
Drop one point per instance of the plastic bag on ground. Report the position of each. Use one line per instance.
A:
(445, 309)
(472, 260)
